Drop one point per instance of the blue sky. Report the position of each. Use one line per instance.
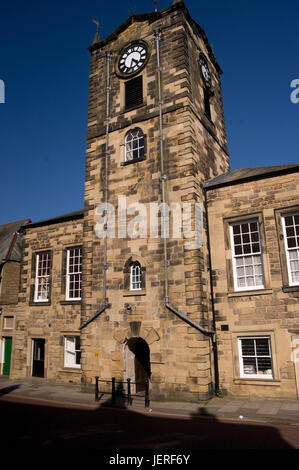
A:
(44, 63)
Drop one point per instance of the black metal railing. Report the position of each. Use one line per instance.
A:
(120, 390)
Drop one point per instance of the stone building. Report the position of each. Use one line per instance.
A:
(139, 284)
(254, 247)
(10, 262)
(158, 131)
(45, 315)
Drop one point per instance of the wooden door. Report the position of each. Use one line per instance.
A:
(142, 364)
(7, 356)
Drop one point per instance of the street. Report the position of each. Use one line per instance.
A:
(42, 424)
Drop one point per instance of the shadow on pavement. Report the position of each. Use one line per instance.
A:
(38, 425)
(6, 390)
(121, 400)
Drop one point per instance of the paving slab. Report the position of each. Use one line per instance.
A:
(268, 411)
(290, 406)
(223, 408)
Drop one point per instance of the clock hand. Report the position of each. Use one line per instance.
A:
(133, 60)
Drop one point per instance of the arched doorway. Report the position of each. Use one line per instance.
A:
(137, 363)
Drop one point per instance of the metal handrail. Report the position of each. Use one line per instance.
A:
(114, 391)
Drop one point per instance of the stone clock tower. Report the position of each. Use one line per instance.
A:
(155, 133)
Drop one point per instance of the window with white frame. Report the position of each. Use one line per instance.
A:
(72, 352)
(135, 276)
(247, 255)
(134, 145)
(42, 277)
(290, 225)
(8, 323)
(74, 273)
(255, 357)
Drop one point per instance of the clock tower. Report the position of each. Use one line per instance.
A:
(156, 132)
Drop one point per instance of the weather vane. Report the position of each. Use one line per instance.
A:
(98, 26)
(132, 11)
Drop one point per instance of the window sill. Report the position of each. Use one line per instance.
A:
(135, 160)
(254, 381)
(290, 288)
(130, 293)
(70, 369)
(249, 292)
(39, 303)
(70, 302)
(132, 108)
(209, 120)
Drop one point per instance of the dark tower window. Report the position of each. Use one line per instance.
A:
(133, 93)
(207, 103)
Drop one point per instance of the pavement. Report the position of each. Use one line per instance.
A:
(34, 390)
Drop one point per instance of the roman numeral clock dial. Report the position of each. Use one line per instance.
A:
(205, 71)
(132, 59)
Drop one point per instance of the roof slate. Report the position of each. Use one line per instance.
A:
(11, 241)
(243, 174)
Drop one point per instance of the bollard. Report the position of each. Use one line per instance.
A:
(146, 395)
(129, 397)
(96, 392)
(113, 391)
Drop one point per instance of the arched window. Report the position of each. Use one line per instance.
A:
(135, 276)
(134, 145)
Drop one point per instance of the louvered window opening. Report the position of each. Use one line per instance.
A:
(133, 93)
(207, 104)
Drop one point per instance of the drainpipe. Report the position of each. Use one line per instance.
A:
(157, 33)
(106, 192)
(107, 153)
(208, 332)
(215, 349)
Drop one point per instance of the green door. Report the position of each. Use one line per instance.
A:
(7, 356)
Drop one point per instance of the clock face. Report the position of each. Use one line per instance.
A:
(205, 71)
(132, 59)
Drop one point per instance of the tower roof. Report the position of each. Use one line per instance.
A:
(153, 16)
